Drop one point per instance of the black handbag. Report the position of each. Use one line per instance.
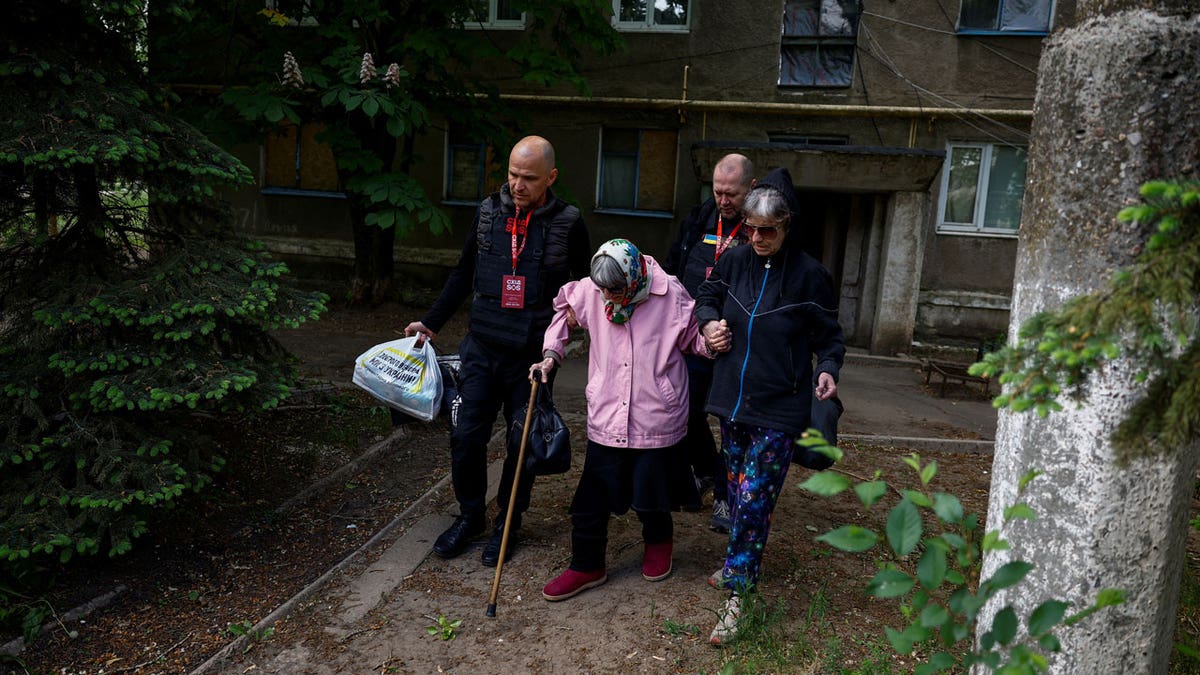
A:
(548, 450)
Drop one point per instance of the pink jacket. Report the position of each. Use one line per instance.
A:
(637, 390)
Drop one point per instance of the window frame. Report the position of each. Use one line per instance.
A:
(648, 25)
(976, 227)
(815, 43)
(297, 159)
(999, 30)
(480, 171)
(600, 175)
(492, 23)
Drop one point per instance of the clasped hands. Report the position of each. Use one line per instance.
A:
(717, 336)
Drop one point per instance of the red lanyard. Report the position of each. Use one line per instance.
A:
(517, 227)
(723, 244)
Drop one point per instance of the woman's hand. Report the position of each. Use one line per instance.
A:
(826, 387)
(717, 336)
(543, 369)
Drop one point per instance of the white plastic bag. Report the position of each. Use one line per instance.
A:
(402, 375)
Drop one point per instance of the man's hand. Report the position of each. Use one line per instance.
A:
(826, 387)
(417, 328)
(717, 336)
(543, 367)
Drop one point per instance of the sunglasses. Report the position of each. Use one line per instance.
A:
(765, 231)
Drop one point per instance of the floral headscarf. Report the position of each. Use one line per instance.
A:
(637, 278)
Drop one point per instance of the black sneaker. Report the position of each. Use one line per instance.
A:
(454, 540)
(721, 517)
(491, 550)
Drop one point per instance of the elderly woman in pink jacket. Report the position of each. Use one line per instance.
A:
(640, 322)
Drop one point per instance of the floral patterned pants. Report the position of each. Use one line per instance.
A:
(757, 460)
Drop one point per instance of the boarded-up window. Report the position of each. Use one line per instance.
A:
(817, 47)
(1004, 16)
(295, 159)
(471, 169)
(637, 170)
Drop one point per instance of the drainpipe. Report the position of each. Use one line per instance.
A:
(765, 107)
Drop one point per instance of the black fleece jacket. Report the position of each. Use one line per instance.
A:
(782, 310)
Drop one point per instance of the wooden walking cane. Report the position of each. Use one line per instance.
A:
(512, 497)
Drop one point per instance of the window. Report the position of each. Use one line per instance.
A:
(817, 49)
(297, 161)
(651, 15)
(1005, 16)
(983, 185)
(637, 170)
(468, 165)
(495, 14)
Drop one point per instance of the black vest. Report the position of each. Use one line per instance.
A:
(543, 263)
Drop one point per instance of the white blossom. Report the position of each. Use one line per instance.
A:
(366, 72)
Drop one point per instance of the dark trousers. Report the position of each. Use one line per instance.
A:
(613, 481)
(492, 378)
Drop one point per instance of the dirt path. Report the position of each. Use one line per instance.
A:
(629, 625)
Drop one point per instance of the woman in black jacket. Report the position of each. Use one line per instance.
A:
(769, 307)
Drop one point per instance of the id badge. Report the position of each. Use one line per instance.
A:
(707, 272)
(512, 292)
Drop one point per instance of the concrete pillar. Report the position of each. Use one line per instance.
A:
(900, 273)
(1115, 106)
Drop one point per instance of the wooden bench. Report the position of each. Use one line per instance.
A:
(950, 371)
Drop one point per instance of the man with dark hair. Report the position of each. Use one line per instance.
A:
(525, 244)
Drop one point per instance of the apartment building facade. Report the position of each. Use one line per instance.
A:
(904, 124)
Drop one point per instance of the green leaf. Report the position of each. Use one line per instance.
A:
(1109, 597)
(1046, 616)
(903, 642)
(993, 542)
(370, 106)
(1009, 574)
(928, 472)
(889, 583)
(826, 483)
(1050, 643)
(904, 528)
(1004, 626)
(1022, 511)
(870, 492)
(919, 498)
(937, 663)
(934, 615)
(850, 538)
(947, 507)
(931, 569)
(396, 126)
(1024, 481)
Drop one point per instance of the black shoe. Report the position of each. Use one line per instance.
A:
(454, 540)
(491, 550)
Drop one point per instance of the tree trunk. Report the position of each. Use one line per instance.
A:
(1116, 106)
(374, 261)
(374, 255)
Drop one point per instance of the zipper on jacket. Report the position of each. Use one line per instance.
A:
(749, 331)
